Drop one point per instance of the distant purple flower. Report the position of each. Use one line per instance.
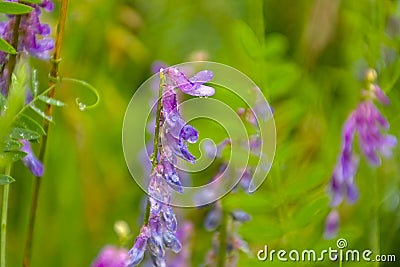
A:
(213, 217)
(331, 224)
(111, 256)
(369, 124)
(256, 114)
(213, 151)
(240, 216)
(30, 160)
(33, 36)
(245, 180)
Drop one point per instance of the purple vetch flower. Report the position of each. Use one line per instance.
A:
(171, 175)
(245, 180)
(30, 160)
(111, 256)
(171, 242)
(33, 37)
(255, 144)
(176, 133)
(240, 216)
(159, 233)
(257, 112)
(158, 65)
(169, 219)
(136, 253)
(213, 217)
(331, 224)
(193, 86)
(367, 122)
(175, 130)
(370, 126)
(215, 151)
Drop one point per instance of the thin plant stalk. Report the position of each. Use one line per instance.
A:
(223, 228)
(375, 229)
(43, 142)
(4, 211)
(6, 188)
(14, 42)
(154, 157)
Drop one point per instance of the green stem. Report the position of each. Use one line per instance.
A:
(375, 231)
(4, 211)
(43, 142)
(223, 230)
(6, 188)
(154, 156)
(154, 159)
(14, 42)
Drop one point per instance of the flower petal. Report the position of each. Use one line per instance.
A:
(30, 160)
(171, 242)
(202, 76)
(189, 134)
(135, 255)
(198, 90)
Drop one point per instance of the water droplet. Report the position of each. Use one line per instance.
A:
(35, 82)
(174, 118)
(81, 106)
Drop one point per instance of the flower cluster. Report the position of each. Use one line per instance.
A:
(369, 124)
(34, 41)
(160, 231)
(33, 37)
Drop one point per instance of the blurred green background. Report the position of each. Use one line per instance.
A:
(308, 57)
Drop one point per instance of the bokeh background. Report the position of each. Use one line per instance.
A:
(307, 56)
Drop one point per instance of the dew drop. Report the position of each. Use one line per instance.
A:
(81, 106)
(35, 82)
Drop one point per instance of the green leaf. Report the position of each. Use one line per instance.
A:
(6, 47)
(249, 40)
(32, 1)
(11, 156)
(22, 133)
(3, 102)
(311, 211)
(14, 8)
(6, 179)
(41, 113)
(12, 145)
(24, 121)
(51, 101)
